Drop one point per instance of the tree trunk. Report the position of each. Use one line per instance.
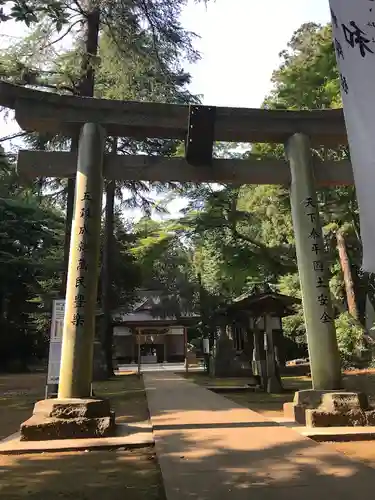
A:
(41, 146)
(107, 272)
(86, 89)
(348, 278)
(107, 336)
(68, 229)
(361, 287)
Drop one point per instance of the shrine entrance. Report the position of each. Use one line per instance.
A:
(156, 339)
(152, 346)
(95, 120)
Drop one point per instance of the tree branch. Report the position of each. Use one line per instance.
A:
(266, 251)
(57, 87)
(63, 35)
(79, 7)
(13, 136)
(153, 31)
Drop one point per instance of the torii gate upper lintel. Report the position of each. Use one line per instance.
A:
(43, 112)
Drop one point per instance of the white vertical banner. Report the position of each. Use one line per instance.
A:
(54, 359)
(353, 23)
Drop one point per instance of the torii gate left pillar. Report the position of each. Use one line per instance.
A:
(74, 413)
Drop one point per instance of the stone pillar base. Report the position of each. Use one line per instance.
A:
(99, 364)
(274, 386)
(330, 409)
(69, 419)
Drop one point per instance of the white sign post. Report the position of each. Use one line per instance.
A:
(353, 24)
(206, 346)
(54, 359)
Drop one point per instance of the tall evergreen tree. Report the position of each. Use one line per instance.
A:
(140, 47)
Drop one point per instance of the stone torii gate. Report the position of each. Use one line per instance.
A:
(199, 126)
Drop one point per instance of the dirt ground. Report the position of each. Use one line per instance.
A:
(119, 474)
(363, 451)
(116, 474)
(271, 405)
(83, 476)
(18, 394)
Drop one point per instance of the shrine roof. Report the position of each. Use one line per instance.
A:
(266, 301)
(150, 309)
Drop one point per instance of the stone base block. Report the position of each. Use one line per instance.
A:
(295, 413)
(370, 417)
(330, 409)
(309, 398)
(69, 419)
(274, 385)
(321, 418)
(72, 408)
(343, 402)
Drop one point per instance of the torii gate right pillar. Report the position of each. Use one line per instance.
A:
(326, 404)
(312, 268)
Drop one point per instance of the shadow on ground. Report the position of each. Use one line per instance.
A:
(19, 393)
(207, 452)
(98, 475)
(90, 476)
(260, 464)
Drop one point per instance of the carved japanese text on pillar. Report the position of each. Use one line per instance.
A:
(317, 249)
(82, 265)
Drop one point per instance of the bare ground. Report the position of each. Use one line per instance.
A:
(271, 405)
(116, 474)
(122, 474)
(82, 476)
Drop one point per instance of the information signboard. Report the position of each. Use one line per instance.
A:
(54, 358)
(206, 346)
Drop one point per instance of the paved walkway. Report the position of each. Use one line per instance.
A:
(210, 448)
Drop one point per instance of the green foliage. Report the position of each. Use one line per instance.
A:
(350, 338)
(127, 276)
(149, 31)
(307, 77)
(165, 263)
(245, 234)
(30, 11)
(294, 326)
(31, 236)
(227, 227)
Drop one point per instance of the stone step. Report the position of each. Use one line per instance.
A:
(41, 428)
(338, 434)
(127, 436)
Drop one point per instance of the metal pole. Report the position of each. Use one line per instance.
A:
(165, 348)
(273, 383)
(186, 351)
(312, 268)
(81, 295)
(139, 352)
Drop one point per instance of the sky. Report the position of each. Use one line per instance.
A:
(240, 45)
(240, 42)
